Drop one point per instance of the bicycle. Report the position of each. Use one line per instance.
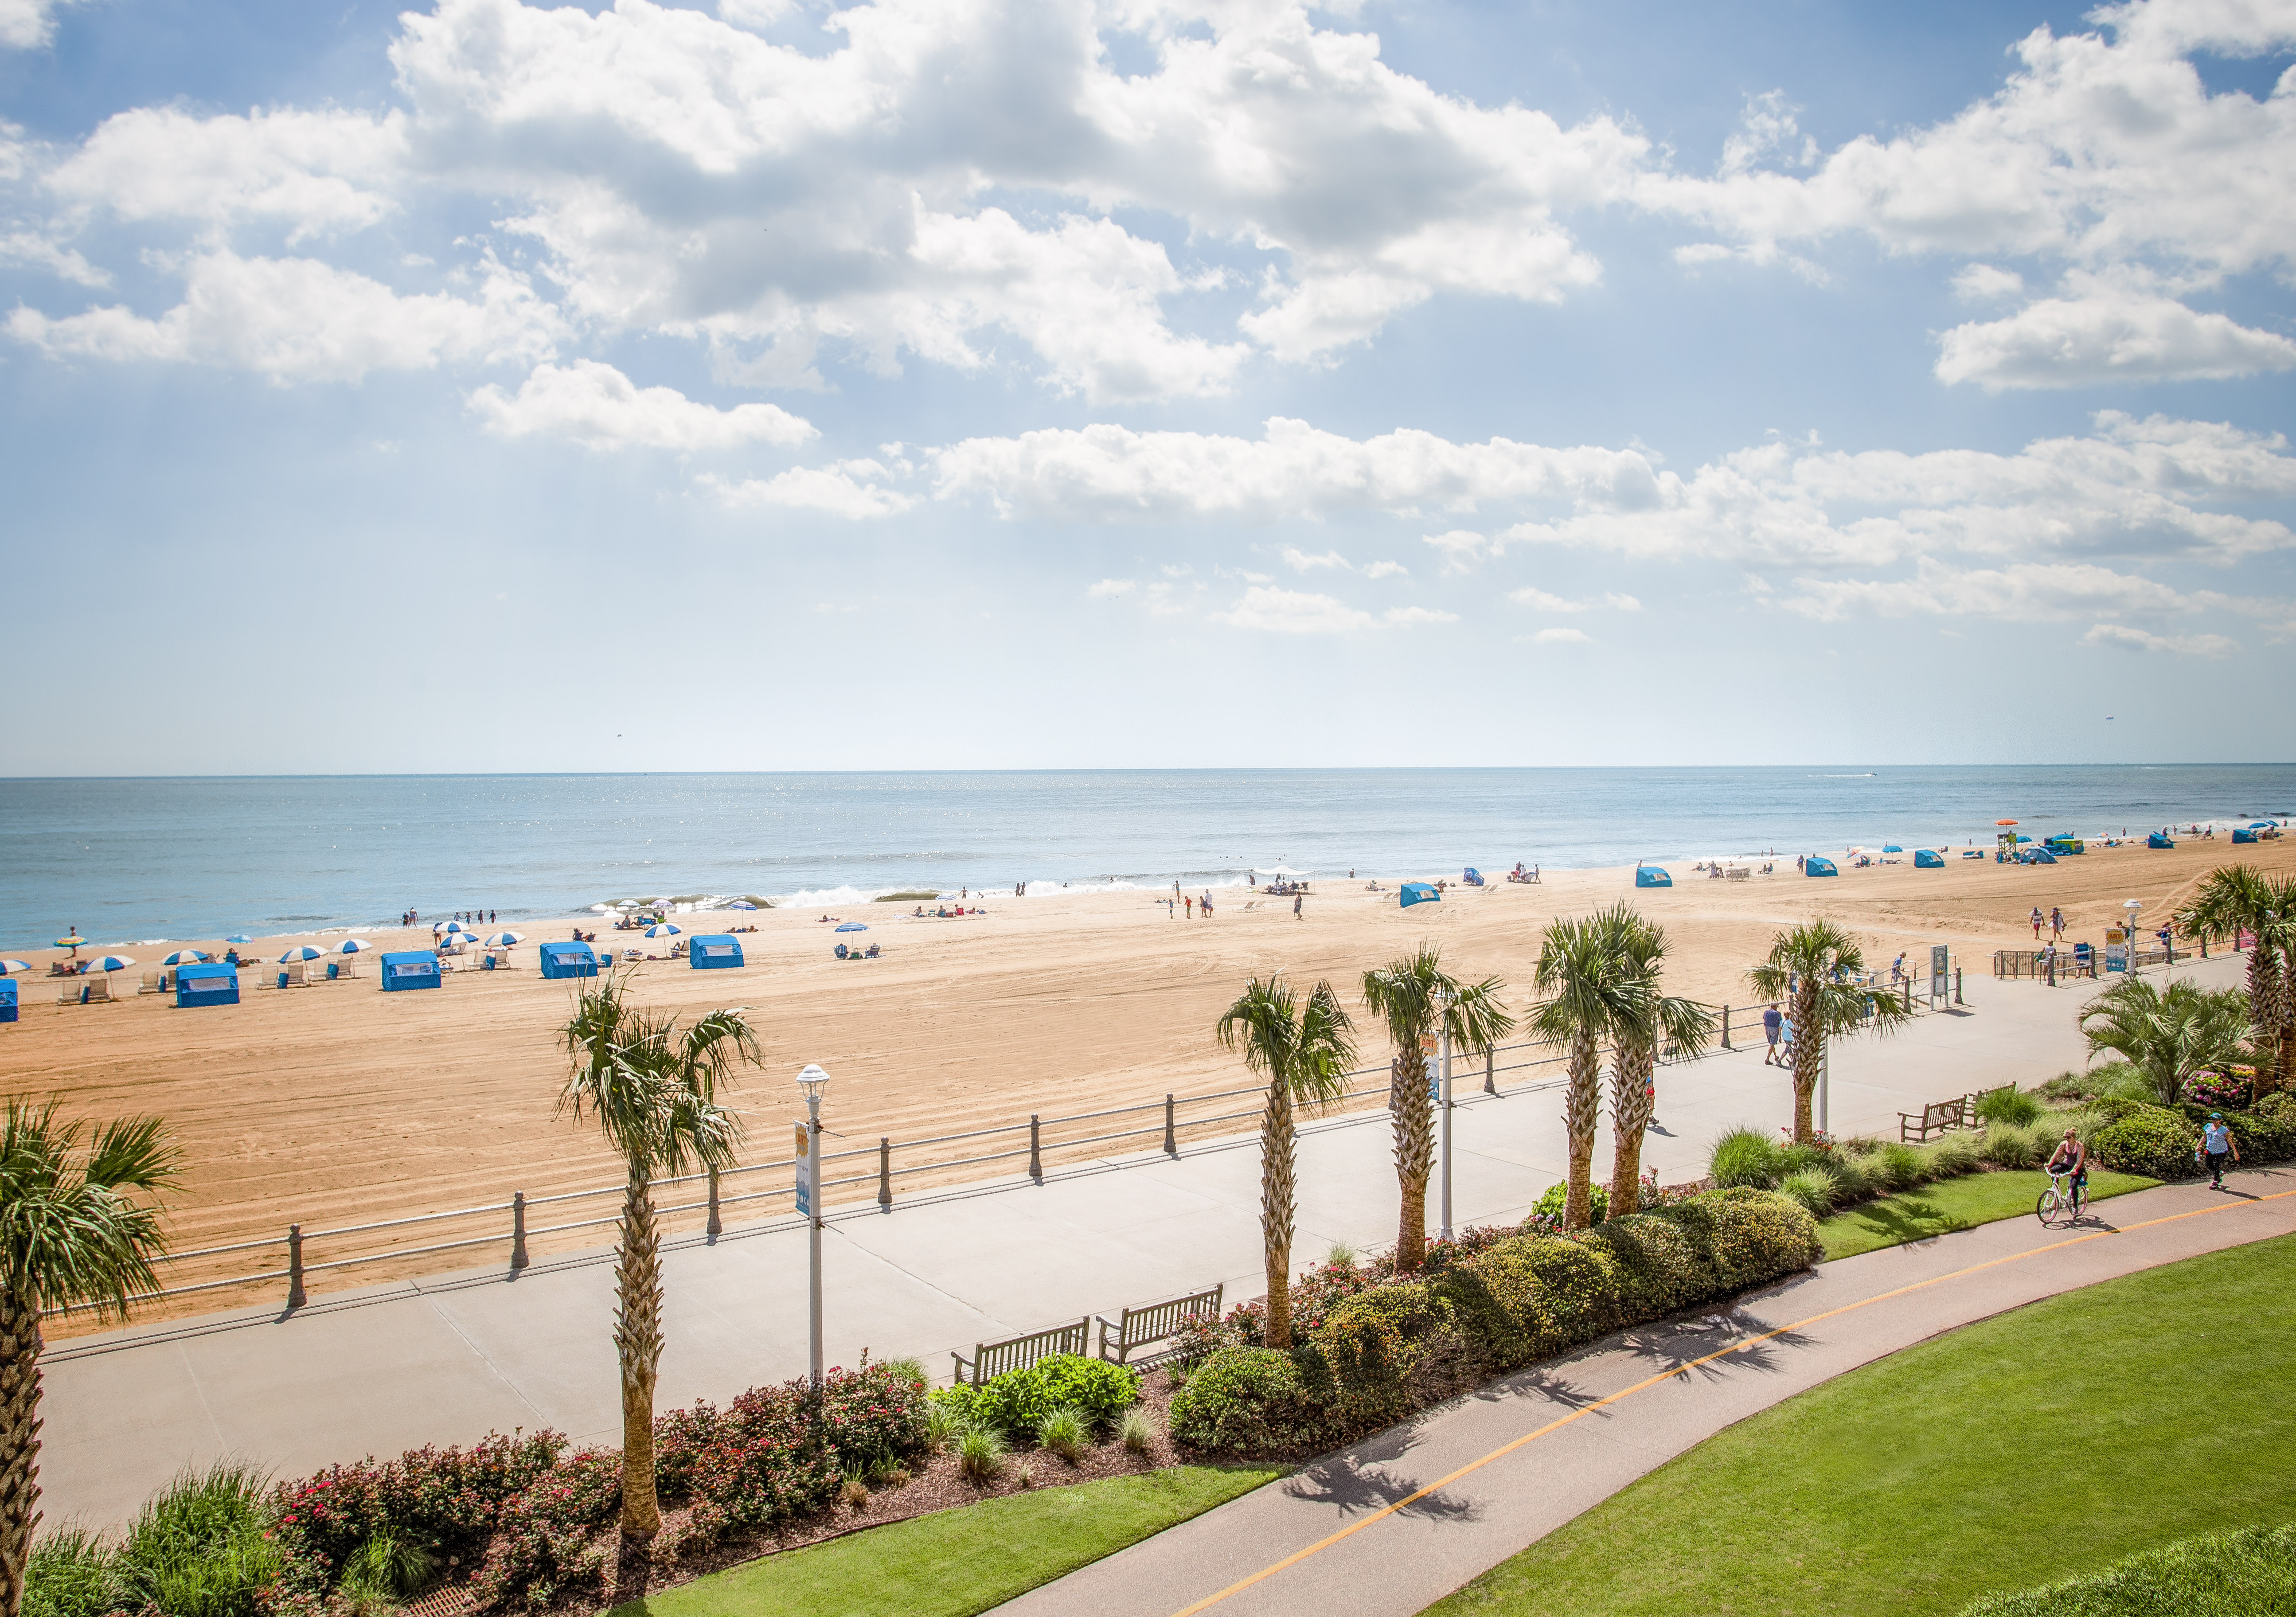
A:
(2059, 1197)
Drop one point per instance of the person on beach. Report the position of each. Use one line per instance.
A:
(2216, 1144)
(1898, 969)
(1772, 1024)
(2056, 922)
(1191, 903)
(2037, 923)
(1295, 907)
(1205, 904)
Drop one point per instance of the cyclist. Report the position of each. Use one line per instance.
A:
(2071, 1158)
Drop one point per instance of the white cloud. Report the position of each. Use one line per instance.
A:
(2025, 591)
(1561, 636)
(1404, 616)
(1387, 570)
(852, 488)
(1291, 611)
(1460, 548)
(27, 25)
(1539, 600)
(1300, 560)
(600, 408)
(1110, 589)
(2121, 635)
(2107, 331)
(302, 320)
(1983, 283)
(38, 251)
(316, 172)
(1622, 602)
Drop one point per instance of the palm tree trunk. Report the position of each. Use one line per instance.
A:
(1278, 1202)
(1414, 1153)
(20, 1442)
(637, 1344)
(1809, 1056)
(2282, 1044)
(1630, 1114)
(2264, 994)
(1581, 1107)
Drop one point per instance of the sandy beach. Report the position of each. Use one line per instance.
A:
(336, 1104)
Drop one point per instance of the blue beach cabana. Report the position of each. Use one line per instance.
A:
(718, 953)
(1652, 875)
(2158, 840)
(8, 999)
(1816, 866)
(569, 960)
(216, 984)
(416, 969)
(1420, 892)
(2242, 836)
(1928, 859)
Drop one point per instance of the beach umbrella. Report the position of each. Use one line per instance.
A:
(1892, 848)
(664, 929)
(74, 943)
(110, 963)
(353, 946)
(505, 940)
(187, 957)
(852, 926)
(449, 926)
(740, 903)
(2261, 825)
(9, 968)
(301, 951)
(239, 938)
(2005, 822)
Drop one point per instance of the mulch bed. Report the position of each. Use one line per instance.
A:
(935, 1483)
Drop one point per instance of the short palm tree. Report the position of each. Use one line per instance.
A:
(1681, 1027)
(1304, 1050)
(2167, 1035)
(650, 1084)
(1420, 1001)
(2235, 899)
(1815, 968)
(79, 1228)
(1590, 992)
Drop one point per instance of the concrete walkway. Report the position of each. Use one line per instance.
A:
(445, 1359)
(1363, 1531)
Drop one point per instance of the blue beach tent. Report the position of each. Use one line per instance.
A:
(1652, 875)
(1816, 866)
(216, 984)
(8, 999)
(1928, 859)
(569, 960)
(720, 953)
(2243, 836)
(417, 969)
(2036, 856)
(1420, 892)
(2158, 840)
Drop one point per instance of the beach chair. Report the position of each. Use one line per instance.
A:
(152, 984)
(99, 989)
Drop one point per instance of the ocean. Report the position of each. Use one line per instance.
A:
(146, 860)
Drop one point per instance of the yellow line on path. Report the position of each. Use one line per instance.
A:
(1294, 1559)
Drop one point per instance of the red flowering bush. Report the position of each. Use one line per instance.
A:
(547, 1536)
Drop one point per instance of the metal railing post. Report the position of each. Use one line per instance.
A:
(717, 1225)
(1171, 1139)
(885, 1172)
(1036, 1141)
(1957, 999)
(1725, 1027)
(1490, 1073)
(517, 1230)
(1908, 986)
(295, 1294)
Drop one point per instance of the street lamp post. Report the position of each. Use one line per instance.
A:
(1444, 1001)
(811, 1083)
(2128, 931)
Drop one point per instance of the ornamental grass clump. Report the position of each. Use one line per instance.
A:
(1810, 1189)
(1899, 1166)
(1952, 1157)
(1745, 1159)
(2008, 1146)
(1063, 1432)
(980, 1454)
(202, 1546)
(2009, 1105)
(1136, 1431)
(72, 1573)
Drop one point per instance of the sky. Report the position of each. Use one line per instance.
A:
(959, 383)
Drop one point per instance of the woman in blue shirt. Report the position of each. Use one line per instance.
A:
(2217, 1144)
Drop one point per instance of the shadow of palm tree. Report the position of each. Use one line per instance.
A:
(1357, 1488)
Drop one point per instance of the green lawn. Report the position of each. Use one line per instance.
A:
(959, 1562)
(2027, 1448)
(1962, 1203)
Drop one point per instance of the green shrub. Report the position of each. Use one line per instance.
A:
(388, 1567)
(2008, 1146)
(2248, 1571)
(1810, 1189)
(2261, 1139)
(1899, 1166)
(1243, 1400)
(1952, 1157)
(1551, 1201)
(945, 1421)
(980, 1454)
(2009, 1105)
(1852, 1177)
(1064, 1433)
(2280, 1103)
(1745, 1158)
(201, 1546)
(71, 1574)
(2150, 1141)
(1016, 1403)
(1136, 1431)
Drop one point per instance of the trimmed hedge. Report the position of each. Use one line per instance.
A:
(2149, 1140)
(1396, 1347)
(1014, 1405)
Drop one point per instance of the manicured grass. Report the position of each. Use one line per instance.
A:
(959, 1562)
(2043, 1443)
(1962, 1203)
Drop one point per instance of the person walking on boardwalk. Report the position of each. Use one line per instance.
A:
(1772, 1024)
(2217, 1144)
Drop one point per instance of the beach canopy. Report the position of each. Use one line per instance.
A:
(1816, 866)
(2157, 840)
(1652, 875)
(1928, 859)
(186, 956)
(1419, 892)
(715, 951)
(204, 985)
(569, 960)
(664, 929)
(111, 963)
(352, 946)
(301, 951)
(505, 940)
(852, 926)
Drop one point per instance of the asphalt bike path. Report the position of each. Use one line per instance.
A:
(1391, 1524)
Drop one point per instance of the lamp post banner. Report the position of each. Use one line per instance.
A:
(804, 1170)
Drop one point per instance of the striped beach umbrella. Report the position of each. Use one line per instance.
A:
(664, 929)
(505, 940)
(353, 946)
(301, 951)
(9, 968)
(187, 957)
(110, 963)
(74, 942)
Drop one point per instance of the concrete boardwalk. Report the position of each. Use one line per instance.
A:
(1362, 1532)
(445, 1359)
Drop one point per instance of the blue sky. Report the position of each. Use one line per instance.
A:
(958, 384)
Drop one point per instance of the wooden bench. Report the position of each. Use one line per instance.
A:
(1938, 1117)
(991, 1359)
(1139, 1327)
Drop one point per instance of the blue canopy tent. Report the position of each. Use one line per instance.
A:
(2158, 840)
(2036, 855)
(718, 953)
(1928, 859)
(1472, 877)
(2065, 844)
(569, 960)
(1816, 866)
(8, 999)
(216, 984)
(1420, 892)
(1652, 875)
(2243, 836)
(417, 969)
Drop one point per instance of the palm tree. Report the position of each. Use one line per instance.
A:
(1305, 1050)
(1419, 1001)
(1683, 1026)
(652, 1087)
(1591, 993)
(79, 1228)
(2167, 1035)
(2233, 899)
(1814, 967)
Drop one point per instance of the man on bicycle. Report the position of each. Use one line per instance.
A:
(2071, 1158)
